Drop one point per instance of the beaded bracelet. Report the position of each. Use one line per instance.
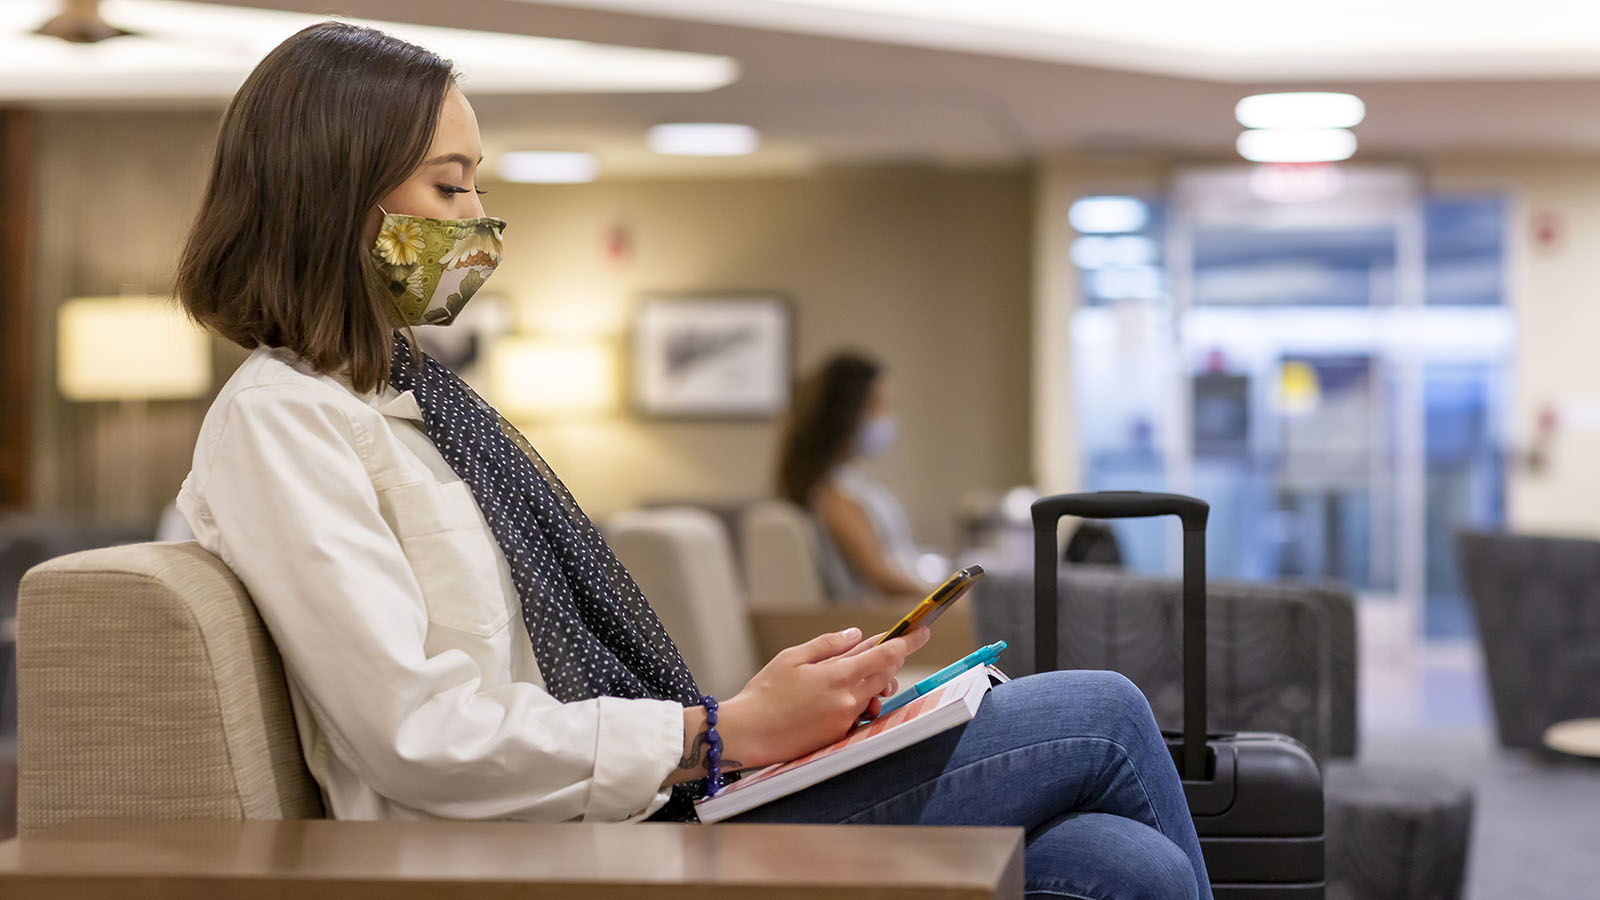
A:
(713, 747)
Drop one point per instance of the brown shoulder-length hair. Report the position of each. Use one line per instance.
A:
(822, 423)
(333, 120)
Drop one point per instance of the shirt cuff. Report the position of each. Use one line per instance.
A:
(637, 744)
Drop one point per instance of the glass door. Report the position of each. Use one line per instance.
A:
(1288, 301)
(1322, 354)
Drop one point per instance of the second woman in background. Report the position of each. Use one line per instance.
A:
(840, 416)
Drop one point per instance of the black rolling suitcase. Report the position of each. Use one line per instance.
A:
(1256, 798)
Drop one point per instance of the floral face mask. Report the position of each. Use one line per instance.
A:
(434, 266)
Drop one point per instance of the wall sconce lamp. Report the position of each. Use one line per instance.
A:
(553, 378)
(127, 351)
(129, 348)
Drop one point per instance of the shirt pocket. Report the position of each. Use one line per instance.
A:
(452, 554)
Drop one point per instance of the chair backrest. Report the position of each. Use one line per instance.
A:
(781, 559)
(1281, 656)
(1537, 603)
(149, 689)
(682, 559)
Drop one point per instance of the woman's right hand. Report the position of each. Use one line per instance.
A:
(809, 696)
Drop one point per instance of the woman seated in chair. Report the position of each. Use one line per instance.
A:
(840, 416)
(459, 641)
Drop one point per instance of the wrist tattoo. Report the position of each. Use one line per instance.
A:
(695, 758)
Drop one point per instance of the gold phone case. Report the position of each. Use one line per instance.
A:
(934, 605)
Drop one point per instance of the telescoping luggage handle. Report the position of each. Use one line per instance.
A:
(1192, 512)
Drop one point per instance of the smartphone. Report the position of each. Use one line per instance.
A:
(937, 602)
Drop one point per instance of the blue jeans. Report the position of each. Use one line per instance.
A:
(1075, 758)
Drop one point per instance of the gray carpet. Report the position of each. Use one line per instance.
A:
(1536, 830)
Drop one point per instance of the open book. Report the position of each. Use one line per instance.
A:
(951, 704)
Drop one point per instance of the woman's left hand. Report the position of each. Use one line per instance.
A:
(810, 695)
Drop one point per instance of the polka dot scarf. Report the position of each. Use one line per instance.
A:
(593, 632)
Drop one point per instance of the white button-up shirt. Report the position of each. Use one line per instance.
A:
(414, 683)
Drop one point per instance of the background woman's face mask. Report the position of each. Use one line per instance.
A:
(876, 436)
(434, 266)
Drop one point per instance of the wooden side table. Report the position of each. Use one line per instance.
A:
(324, 860)
(1577, 737)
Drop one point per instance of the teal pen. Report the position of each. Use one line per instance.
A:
(980, 657)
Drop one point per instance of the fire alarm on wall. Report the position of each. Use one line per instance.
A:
(1547, 231)
(618, 243)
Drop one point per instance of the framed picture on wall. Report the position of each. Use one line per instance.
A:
(711, 356)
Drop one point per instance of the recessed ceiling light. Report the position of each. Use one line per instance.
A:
(1296, 145)
(1108, 215)
(1301, 109)
(547, 167)
(703, 139)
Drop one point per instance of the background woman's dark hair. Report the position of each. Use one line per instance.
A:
(333, 120)
(822, 422)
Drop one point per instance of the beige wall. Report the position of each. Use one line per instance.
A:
(1556, 293)
(928, 268)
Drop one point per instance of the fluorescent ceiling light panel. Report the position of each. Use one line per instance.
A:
(1242, 40)
(1108, 215)
(1300, 109)
(703, 139)
(202, 51)
(547, 167)
(1297, 145)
